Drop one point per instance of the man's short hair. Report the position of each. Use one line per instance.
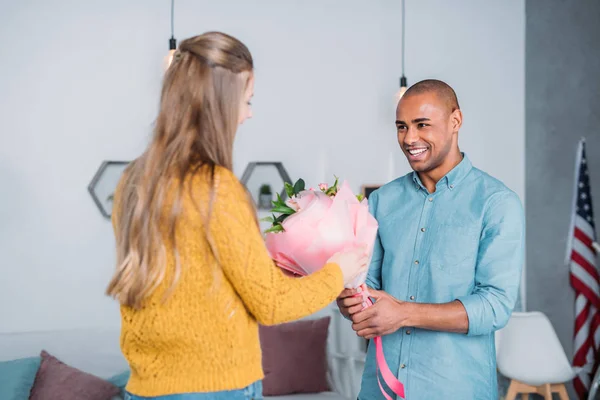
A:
(441, 89)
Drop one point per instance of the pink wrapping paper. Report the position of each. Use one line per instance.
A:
(321, 227)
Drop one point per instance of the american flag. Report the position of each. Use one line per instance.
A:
(581, 256)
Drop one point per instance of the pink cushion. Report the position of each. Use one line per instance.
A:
(56, 380)
(295, 357)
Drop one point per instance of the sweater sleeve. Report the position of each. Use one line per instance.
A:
(270, 295)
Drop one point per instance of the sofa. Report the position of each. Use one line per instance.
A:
(96, 351)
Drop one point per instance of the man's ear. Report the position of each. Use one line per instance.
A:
(456, 120)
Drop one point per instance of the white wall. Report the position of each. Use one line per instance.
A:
(79, 83)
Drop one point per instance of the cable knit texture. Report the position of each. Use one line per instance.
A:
(204, 337)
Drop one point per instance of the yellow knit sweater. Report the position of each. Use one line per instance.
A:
(204, 338)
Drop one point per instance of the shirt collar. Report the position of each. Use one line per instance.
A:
(452, 178)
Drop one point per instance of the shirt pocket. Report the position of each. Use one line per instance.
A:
(454, 247)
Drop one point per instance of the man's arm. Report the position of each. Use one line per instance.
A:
(488, 308)
(499, 265)
(389, 314)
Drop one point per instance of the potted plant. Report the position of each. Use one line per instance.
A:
(265, 196)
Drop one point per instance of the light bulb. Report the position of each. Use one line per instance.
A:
(169, 57)
(403, 88)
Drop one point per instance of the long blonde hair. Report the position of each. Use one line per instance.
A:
(196, 125)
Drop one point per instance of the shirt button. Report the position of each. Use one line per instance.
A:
(412, 297)
(451, 186)
(422, 229)
(430, 199)
(408, 332)
(402, 366)
(416, 262)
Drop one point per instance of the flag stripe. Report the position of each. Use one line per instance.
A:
(580, 286)
(582, 352)
(582, 317)
(579, 388)
(585, 379)
(585, 238)
(584, 251)
(594, 331)
(583, 264)
(585, 226)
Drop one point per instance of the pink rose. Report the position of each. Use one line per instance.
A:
(323, 226)
(292, 203)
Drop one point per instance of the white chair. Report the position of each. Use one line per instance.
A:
(530, 354)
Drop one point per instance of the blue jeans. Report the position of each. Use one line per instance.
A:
(252, 392)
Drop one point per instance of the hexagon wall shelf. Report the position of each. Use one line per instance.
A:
(263, 173)
(103, 185)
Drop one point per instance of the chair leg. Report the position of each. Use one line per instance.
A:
(511, 394)
(547, 392)
(562, 391)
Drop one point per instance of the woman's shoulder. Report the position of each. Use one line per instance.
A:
(222, 180)
(226, 193)
(225, 176)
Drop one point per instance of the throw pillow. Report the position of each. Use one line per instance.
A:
(295, 357)
(16, 378)
(57, 380)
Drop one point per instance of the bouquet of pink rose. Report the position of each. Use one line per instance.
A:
(312, 225)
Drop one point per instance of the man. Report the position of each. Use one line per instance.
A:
(447, 261)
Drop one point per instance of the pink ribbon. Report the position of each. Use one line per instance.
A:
(382, 367)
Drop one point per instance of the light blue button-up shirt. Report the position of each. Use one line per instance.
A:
(464, 242)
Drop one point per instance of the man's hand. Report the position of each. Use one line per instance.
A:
(350, 302)
(385, 316)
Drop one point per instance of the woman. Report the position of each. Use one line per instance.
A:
(193, 275)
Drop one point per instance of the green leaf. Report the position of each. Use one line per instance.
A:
(268, 219)
(289, 189)
(360, 197)
(283, 209)
(281, 218)
(275, 229)
(299, 186)
(279, 202)
(333, 189)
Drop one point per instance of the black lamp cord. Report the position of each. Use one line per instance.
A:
(403, 78)
(172, 41)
